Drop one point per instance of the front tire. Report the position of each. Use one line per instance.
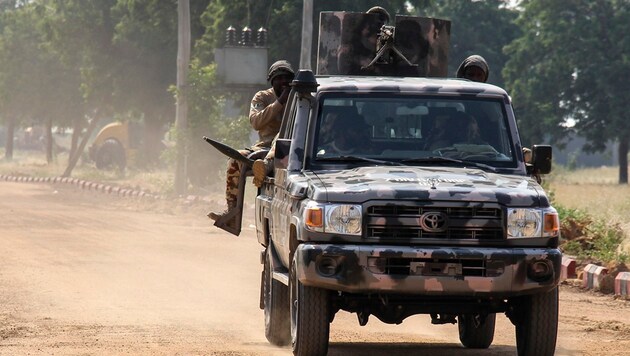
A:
(310, 309)
(110, 154)
(475, 335)
(276, 306)
(537, 324)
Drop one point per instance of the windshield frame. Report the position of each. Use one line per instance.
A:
(513, 164)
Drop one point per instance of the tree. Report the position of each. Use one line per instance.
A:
(37, 88)
(90, 26)
(477, 27)
(568, 68)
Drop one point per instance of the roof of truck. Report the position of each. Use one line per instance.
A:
(406, 84)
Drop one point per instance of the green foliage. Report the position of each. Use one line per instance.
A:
(590, 238)
(567, 214)
(34, 83)
(90, 25)
(206, 117)
(569, 64)
(66, 60)
(606, 240)
(477, 27)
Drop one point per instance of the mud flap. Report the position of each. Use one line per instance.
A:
(232, 221)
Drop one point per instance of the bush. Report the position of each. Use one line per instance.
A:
(589, 238)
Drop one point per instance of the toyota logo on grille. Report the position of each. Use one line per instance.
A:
(433, 222)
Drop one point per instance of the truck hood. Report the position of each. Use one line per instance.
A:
(425, 183)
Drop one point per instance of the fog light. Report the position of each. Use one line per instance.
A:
(327, 266)
(540, 270)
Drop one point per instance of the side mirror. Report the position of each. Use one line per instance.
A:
(541, 159)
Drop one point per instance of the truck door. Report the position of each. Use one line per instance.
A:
(288, 164)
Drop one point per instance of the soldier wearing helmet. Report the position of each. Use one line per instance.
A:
(265, 116)
(474, 68)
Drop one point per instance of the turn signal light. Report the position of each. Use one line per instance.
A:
(315, 218)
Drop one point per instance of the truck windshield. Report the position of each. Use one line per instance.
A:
(407, 129)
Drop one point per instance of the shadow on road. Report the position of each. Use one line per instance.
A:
(389, 349)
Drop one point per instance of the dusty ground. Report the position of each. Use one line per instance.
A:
(84, 273)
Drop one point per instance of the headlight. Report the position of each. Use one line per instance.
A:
(523, 222)
(343, 219)
(339, 219)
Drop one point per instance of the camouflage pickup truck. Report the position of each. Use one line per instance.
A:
(400, 196)
(397, 193)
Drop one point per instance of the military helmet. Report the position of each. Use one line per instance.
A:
(279, 68)
(383, 15)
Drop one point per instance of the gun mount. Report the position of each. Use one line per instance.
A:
(363, 44)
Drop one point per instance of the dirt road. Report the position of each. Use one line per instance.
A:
(86, 273)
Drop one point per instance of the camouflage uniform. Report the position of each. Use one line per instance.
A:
(265, 115)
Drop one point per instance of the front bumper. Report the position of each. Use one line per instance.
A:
(438, 271)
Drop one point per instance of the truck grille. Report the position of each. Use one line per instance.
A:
(436, 267)
(405, 221)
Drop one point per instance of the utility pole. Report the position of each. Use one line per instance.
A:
(307, 34)
(181, 109)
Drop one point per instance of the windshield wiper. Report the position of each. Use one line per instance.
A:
(434, 159)
(359, 158)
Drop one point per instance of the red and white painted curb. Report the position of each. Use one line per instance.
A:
(567, 270)
(622, 284)
(85, 185)
(593, 275)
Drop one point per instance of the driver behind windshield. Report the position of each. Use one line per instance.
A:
(342, 135)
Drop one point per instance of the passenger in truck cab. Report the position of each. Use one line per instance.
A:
(341, 135)
(452, 128)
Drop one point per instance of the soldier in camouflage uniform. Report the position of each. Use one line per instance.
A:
(265, 115)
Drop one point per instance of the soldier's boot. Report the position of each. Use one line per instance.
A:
(214, 215)
(261, 168)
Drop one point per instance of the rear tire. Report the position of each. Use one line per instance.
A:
(276, 303)
(310, 326)
(475, 336)
(537, 324)
(111, 154)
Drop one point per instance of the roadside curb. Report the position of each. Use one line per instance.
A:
(114, 190)
(622, 284)
(92, 186)
(593, 276)
(567, 270)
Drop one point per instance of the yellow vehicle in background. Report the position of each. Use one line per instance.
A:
(116, 145)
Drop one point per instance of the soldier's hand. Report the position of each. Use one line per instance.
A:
(284, 96)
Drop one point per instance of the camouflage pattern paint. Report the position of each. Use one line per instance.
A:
(421, 266)
(354, 274)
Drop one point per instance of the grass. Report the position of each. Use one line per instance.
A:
(594, 190)
(594, 212)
